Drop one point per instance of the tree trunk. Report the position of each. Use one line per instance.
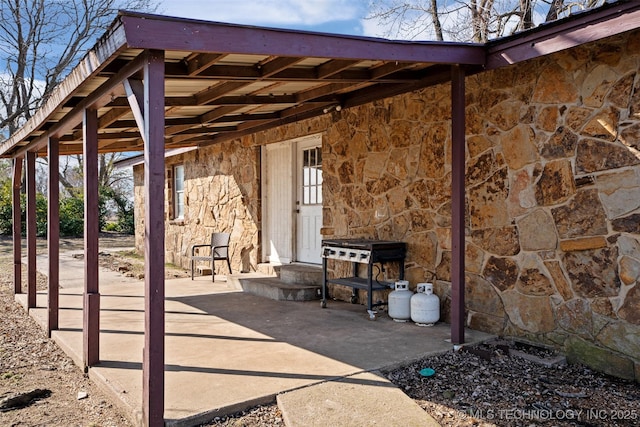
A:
(435, 19)
(526, 21)
(475, 21)
(554, 8)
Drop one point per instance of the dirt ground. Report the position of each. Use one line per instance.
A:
(30, 361)
(494, 384)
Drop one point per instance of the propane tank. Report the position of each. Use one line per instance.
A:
(425, 306)
(400, 302)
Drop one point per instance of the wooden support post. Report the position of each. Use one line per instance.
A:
(31, 229)
(53, 235)
(17, 225)
(457, 203)
(91, 309)
(153, 354)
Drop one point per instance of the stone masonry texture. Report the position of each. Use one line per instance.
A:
(553, 196)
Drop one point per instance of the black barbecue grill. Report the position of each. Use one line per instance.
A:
(361, 251)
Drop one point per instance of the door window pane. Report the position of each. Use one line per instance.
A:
(312, 176)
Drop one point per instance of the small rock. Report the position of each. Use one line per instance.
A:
(82, 395)
(448, 394)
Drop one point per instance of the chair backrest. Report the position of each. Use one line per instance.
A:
(220, 239)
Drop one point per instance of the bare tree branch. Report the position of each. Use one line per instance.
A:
(469, 20)
(40, 40)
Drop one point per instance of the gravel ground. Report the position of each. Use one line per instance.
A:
(497, 384)
(490, 385)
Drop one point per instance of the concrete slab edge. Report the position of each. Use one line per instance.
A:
(404, 362)
(204, 417)
(207, 416)
(68, 350)
(116, 394)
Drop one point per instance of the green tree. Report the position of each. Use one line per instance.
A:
(71, 213)
(71, 216)
(124, 211)
(6, 212)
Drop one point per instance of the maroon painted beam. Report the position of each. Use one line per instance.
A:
(31, 229)
(158, 32)
(457, 203)
(53, 235)
(91, 309)
(17, 225)
(153, 355)
(96, 99)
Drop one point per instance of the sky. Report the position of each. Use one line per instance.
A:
(331, 16)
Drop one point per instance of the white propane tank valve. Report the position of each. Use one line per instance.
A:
(425, 305)
(400, 302)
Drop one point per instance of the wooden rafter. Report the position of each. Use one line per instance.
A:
(199, 62)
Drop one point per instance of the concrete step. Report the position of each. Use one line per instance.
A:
(275, 289)
(289, 282)
(301, 274)
(293, 273)
(268, 269)
(364, 399)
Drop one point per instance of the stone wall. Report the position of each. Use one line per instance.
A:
(222, 194)
(564, 166)
(553, 196)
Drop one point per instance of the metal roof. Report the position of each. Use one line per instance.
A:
(223, 81)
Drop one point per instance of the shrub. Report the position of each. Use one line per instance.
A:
(41, 215)
(71, 212)
(71, 216)
(6, 211)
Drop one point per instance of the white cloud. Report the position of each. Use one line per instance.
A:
(266, 12)
(373, 27)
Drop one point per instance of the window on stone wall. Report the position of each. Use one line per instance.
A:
(178, 192)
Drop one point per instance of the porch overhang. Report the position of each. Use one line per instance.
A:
(156, 83)
(223, 81)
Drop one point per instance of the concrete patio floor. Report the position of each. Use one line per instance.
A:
(226, 350)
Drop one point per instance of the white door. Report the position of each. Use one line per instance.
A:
(309, 200)
(278, 208)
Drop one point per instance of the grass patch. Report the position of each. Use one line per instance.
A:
(10, 375)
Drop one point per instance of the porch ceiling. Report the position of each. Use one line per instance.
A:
(224, 81)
